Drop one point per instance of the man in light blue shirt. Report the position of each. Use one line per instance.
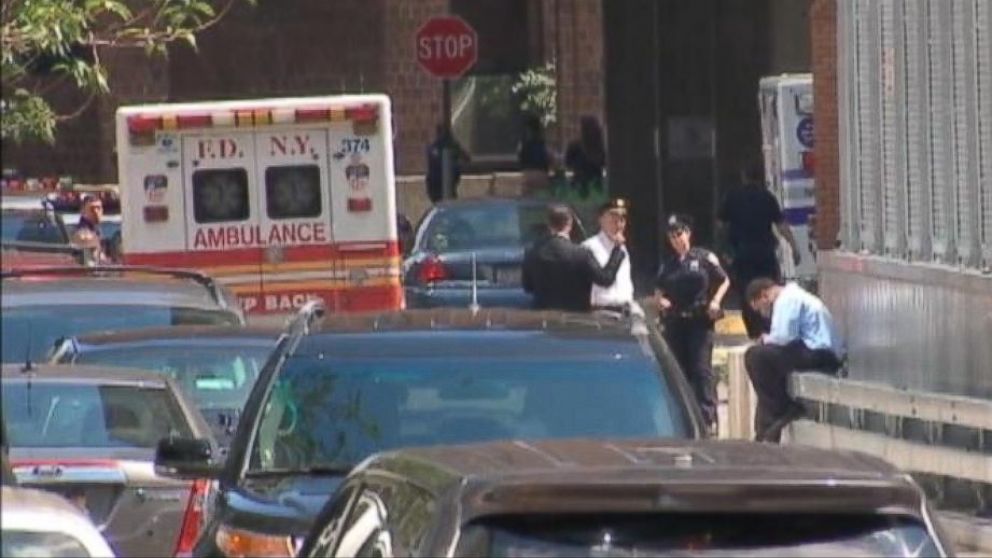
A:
(802, 337)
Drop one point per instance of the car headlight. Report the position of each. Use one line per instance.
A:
(240, 542)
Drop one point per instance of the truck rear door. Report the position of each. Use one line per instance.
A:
(223, 211)
(298, 261)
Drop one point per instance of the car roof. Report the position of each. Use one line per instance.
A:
(196, 334)
(111, 288)
(530, 332)
(491, 201)
(504, 475)
(87, 374)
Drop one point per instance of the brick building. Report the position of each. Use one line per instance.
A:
(316, 47)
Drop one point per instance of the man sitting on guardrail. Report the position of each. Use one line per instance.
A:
(802, 337)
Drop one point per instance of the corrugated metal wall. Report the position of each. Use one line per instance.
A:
(915, 89)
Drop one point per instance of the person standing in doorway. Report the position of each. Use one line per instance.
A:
(534, 158)
(689, 291)
(435, 164)
(558, 273)
(586, 158)
(749, 213)
(618, 296)
(802, 337)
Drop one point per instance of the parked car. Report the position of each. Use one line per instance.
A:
(494, 231)
(31, 219)
(7, 477)
(625, 498)
(215, 365)
(37, 523)
(355, 385)
(40, 306)
(90, 435)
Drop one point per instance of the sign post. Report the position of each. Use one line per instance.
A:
(447, 47)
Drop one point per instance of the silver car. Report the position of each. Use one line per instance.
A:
(37, 523)
(90, 434)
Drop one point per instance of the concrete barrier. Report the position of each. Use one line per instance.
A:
(741, 399)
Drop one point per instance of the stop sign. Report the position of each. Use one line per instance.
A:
(447, 46)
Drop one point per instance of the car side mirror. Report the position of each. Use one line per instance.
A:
(185, 458)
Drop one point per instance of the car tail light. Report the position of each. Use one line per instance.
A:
(194, 517)
(432, 270)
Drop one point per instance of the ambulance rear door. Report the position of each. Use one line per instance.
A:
(223, 210)
(294, 192)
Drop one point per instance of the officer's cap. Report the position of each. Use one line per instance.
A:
(619, 205)
(678, 223)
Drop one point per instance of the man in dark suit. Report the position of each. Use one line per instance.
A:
(560, 274)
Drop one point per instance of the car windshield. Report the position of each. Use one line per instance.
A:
(216, 377)
(716, 535)
(328, 411)
(485, 226)
(72, 414)
(22, 544)
(38, 327)
(31, 225)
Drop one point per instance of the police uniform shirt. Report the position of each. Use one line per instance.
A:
(622, 290)
(750, 213)
(688, 284)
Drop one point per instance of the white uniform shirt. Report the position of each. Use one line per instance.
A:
(622, 290)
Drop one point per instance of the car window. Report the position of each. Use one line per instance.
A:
(219, 376)
(31, 226)
(68, 414)
(330, 410)
(18, 544)
(703, 534)
(330, 524)
(34, 329)
(485, 226)
(365, 533)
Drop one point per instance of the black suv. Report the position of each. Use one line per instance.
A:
(337, 391)
(42, 305)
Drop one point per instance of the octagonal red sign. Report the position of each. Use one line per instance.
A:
(447, 46)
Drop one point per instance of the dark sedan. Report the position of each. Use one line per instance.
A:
(90, 435)
(493, 231)
(626, 498)
(215, 365)
(359, 384)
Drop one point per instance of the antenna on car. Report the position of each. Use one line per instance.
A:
(474, 306)
(28, 365)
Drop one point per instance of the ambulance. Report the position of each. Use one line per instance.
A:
(786, 108)
(282, 200)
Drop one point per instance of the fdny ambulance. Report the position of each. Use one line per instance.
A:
(786, 108)
(282, 200)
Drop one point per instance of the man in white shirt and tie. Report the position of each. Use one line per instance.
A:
(619, 296)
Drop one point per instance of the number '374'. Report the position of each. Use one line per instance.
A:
(355, 145)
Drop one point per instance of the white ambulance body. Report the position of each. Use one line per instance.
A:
(283, 200)
(786, 105)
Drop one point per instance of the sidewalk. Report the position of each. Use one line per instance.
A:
(730, 332)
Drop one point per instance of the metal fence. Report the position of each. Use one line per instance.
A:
(915, 98)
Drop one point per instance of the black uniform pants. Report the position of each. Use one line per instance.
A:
(769, 367)
(691, 340)
(748, 267)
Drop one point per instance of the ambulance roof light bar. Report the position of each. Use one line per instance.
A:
(206, 281)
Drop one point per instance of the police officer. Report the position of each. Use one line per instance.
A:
(619, 295)
(689, 290)
(560, 274)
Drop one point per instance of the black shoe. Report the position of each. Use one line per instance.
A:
(774, 432)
